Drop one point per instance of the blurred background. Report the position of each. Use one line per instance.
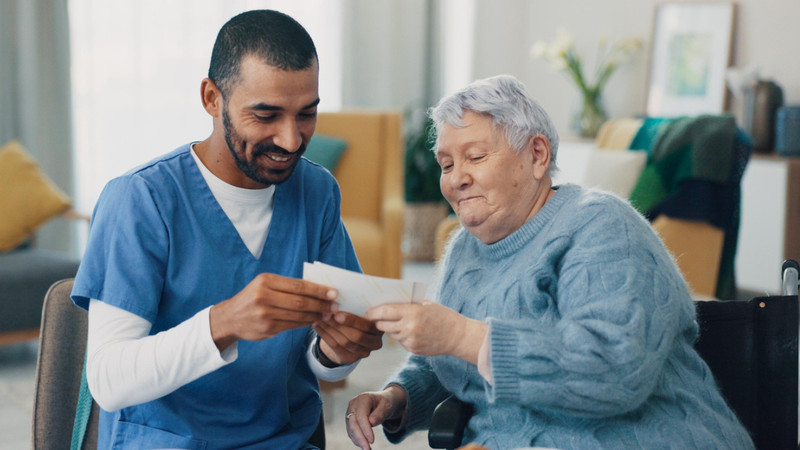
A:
(92, 88)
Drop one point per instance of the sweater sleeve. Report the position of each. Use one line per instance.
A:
(424, 392)
(619, 298)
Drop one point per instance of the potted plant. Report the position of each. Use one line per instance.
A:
(425, 205)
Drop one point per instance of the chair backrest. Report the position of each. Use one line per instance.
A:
(62, 347)
(372, 164)
(751, 348)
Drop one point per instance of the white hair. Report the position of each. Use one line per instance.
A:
(511, 108)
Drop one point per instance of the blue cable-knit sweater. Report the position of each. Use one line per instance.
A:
(591, 329)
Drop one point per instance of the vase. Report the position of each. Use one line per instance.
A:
(421, 220)
(588, 116)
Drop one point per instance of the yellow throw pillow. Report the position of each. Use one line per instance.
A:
(28, 198)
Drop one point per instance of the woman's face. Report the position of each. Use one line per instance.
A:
(492, 188)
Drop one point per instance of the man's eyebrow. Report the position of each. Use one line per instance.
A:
(312, 104)
(267, 107)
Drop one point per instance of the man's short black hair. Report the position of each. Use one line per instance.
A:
(275, 38)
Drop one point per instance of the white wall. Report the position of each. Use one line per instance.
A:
(766, 33)
(384, 53)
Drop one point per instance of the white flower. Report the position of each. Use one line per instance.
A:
(562, 56)
(564, 41)
(539, 49)
(629, 45)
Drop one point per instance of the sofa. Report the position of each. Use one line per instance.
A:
(29, 200)
(26, 274)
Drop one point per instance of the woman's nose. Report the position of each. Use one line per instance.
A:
(288, 136)
(459, 177)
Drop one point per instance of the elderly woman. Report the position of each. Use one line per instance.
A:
(562, 319)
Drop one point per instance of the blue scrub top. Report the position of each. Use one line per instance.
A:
(161, 247)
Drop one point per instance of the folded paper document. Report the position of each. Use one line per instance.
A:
(359, 292)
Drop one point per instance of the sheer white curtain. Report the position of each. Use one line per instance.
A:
(458, 26)
(35, 96)
(136, 72)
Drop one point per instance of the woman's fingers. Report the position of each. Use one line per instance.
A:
(380, 412)
(360, 433)
(389, 327)
(362, 417)
(353, 321)
(355, 434)
(388, 312)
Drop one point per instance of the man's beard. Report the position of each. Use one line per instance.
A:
(251, 168)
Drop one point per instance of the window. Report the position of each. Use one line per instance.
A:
(136, 72)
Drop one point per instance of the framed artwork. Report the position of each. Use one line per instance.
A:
(691, 51)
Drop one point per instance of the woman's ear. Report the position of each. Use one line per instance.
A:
(211, 97)
(540, 149)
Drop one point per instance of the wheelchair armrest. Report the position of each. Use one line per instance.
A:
(448, 423)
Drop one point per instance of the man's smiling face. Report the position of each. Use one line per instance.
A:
(268, 118)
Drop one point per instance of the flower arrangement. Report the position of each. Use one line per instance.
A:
(564, 57)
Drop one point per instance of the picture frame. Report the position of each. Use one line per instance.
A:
(692, 47)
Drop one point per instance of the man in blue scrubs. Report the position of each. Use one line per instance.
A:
(201, 333)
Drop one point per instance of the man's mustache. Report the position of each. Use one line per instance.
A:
(263, 149)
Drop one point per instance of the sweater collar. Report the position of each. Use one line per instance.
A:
(524, 234)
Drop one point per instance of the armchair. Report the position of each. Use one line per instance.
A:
(370, 175)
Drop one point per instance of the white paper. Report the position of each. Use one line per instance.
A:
(358, 292)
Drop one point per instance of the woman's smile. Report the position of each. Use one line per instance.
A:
(466, 199)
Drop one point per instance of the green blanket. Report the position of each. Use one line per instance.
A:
(698, 147)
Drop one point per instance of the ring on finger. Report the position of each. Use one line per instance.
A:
(347, 417)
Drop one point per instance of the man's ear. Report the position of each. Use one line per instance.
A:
(540, 149)
(211, 97)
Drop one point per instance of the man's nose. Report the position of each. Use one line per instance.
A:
(288, 136)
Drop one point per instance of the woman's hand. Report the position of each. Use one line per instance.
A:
(430, 329)
(371, 409)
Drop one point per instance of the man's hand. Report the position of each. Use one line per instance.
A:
(371, 409)
(267, 306)
(346, 338)
(430, 329)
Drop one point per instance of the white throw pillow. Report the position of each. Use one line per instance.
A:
(615, 171)
(610, 170)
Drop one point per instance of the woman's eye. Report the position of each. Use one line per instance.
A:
(446, 167)
(476, 158)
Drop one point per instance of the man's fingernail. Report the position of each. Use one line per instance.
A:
(339, 318)
(334, 307)
(326, 317)
(332, 294)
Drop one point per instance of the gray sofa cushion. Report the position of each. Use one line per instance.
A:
(25, 277)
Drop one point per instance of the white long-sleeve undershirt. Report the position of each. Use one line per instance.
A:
(125, 366)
